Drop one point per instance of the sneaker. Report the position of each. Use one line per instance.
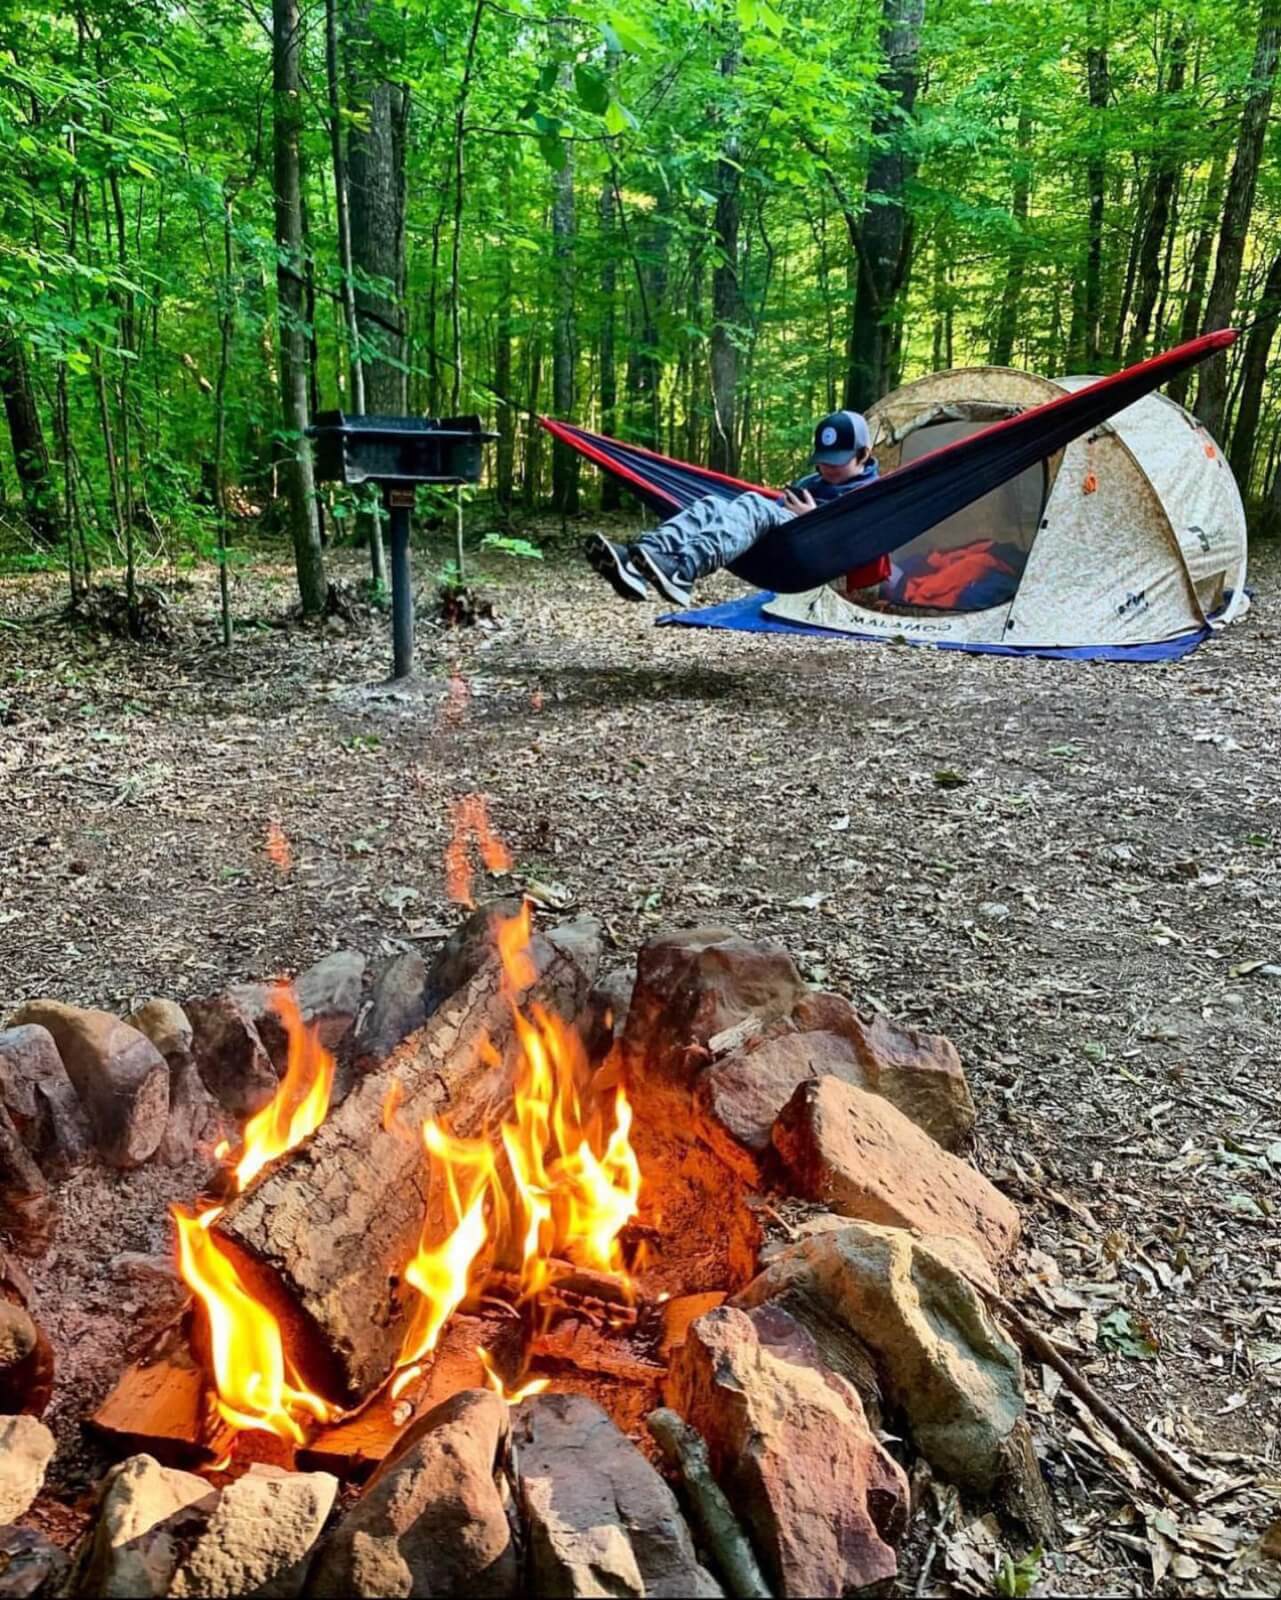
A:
(611, 561)
(668, 585)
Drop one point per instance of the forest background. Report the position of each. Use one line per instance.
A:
(691, 223)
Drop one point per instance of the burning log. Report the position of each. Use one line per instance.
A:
(324, 1235)
(162, 1405)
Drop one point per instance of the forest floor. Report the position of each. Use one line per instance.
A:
(1073, 870)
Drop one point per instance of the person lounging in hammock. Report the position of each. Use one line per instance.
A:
(712, 533)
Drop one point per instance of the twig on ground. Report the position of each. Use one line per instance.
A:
(713, 1516)
(1135, 1441)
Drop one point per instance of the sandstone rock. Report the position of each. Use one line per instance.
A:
(168, 1027)
(605, 1014)
(432, 1520)
(465, 952)
(120, 1076)
(740, 1095)
(858, 1156)
(230, 1055)
(919, 1073)
(193, 1119)
(693, 985)
(397, 1007)
(790, 1445)
(42, 1100)
(260, 1536)
(26, 1449)
(152, 1288)
(147, 1517)
(601, 1520)
(195, 1122)
(30, 1565)
(26, 1363)
(944, 1364)
(28, 1212)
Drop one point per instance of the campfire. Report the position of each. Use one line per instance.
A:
(695, 1212)
(534, 1205)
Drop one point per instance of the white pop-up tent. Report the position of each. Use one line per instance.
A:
(1134, 534)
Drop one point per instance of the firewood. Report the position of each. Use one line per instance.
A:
(587, 1347)
(163, 1405)
(352, 1447)
(326, 1233)
(711, 1513)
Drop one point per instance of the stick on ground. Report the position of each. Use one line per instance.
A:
(684, 1450)
(1140, 1446)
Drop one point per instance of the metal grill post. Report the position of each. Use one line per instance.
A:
(399, 504)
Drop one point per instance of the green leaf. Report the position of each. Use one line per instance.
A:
(547, 76)
(629, 32)
(1016, 1579)
(592, 89)
(552, 149)
(1128, 1335)
(618, 119)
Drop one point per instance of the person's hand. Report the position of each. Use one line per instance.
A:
(799, 500)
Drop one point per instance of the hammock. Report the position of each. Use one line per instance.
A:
(859, 528)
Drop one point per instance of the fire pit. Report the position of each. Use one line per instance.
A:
(562, 1201)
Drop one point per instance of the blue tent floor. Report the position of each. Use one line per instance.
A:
(747, 616)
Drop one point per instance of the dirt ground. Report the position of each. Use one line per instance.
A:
(1073, 870)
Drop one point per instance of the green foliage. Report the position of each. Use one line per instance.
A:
(134, 131)
(1016, 1579)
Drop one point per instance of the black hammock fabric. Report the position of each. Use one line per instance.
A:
(859, 528)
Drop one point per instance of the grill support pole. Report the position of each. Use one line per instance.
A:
(399, 502)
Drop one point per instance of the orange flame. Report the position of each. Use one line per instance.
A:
(569, 1185)
(298, 1106)
(471, 826)
(277, 847)
(255, 1382)
(441, 1274)
(494, 1381)
(257, 1386)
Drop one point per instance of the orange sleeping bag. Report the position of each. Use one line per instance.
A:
(951, 572)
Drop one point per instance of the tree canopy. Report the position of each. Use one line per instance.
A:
(696, 225)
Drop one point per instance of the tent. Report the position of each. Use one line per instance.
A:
(1132, 535)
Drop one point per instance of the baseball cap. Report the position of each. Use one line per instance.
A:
(840, 436)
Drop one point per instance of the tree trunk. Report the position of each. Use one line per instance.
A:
(30, 454)
(610, 495)
(1212, 384)
(644, 364)
(1096, 62)
(300, 488)
(564, 460)
(1254, 375)
(882, 236)
(533, 433)
(1201, 254)
(506, 454)
(342, 211)
(1158, 221)
(1002, 349)
(727, 297)
(377, 224)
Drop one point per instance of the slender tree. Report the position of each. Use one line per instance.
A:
(882, 235)
(300, 488)
(1212, 386)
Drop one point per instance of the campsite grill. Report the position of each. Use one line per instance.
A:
(397, 453)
